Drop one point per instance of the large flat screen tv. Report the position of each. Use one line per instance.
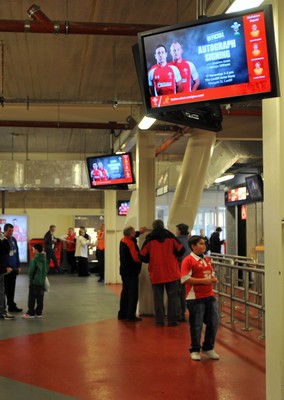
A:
(112, 171)
(222, 59)
(206, 116)
(255, 187)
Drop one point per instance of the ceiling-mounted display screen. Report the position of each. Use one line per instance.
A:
(226, 58)
(112, 171)
(255, 187)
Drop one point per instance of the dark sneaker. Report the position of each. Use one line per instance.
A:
(135, 319)
(38, 315)
(15, 309)
(173, 324)
(7, 316)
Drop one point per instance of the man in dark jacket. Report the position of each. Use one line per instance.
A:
(130, 267)
(4, 269)
(215, 242)
(161, 250)
(49, 245)
(12, 261)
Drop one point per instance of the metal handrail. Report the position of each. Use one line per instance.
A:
(247, 290)
(233, 257)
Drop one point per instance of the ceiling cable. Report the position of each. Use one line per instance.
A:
(177, 12)
(67, 10)
(2, 68)
(115, 102)
(2, 74)
(58, 110)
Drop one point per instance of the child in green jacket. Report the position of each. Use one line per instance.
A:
(37, 274)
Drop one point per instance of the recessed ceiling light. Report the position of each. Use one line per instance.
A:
(240, 5)
(224, 178)
(146, 123)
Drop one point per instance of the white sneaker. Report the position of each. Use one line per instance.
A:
(7, 316)
(195, 356)
(211, 354)
(27, 316)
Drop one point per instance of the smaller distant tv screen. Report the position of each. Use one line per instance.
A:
(255, 187)
(123, 207)
(236, 196)
(107, 171)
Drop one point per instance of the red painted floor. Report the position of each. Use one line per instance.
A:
(118, 360)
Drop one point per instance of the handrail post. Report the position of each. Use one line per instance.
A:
(246, 298)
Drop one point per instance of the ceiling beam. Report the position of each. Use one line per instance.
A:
(71, 125)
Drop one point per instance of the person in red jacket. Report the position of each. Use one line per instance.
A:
(161, 250)
(70, 249)
(100, 252)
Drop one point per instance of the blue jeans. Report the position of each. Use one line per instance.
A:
(203, 311)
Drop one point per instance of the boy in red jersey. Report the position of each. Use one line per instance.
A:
(198, 275)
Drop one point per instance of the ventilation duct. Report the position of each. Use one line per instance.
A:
(43, 175)
(226, 154)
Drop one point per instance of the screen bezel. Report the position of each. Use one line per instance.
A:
(115, 185)
(272, 62)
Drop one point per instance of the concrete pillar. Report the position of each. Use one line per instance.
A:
(145, 177)
(112, 238)
(191, 180)
(273, 161)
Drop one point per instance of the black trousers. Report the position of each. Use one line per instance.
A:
(50, 255)
(10, 285)
(71, 260)
(36, 295)
(128, 297)
(100, 254)
(83, 266)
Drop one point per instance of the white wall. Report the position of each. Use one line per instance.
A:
(39, 220)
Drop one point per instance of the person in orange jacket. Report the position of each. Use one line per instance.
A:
(100, 252)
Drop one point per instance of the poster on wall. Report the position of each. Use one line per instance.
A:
(20, 232)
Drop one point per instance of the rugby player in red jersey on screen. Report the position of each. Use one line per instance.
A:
(188, 71)
(163, 78)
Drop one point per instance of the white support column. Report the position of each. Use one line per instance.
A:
(145, 176)
(112, 237)
(273, 161)
(191, 180)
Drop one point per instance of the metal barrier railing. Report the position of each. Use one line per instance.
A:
(241, 281)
